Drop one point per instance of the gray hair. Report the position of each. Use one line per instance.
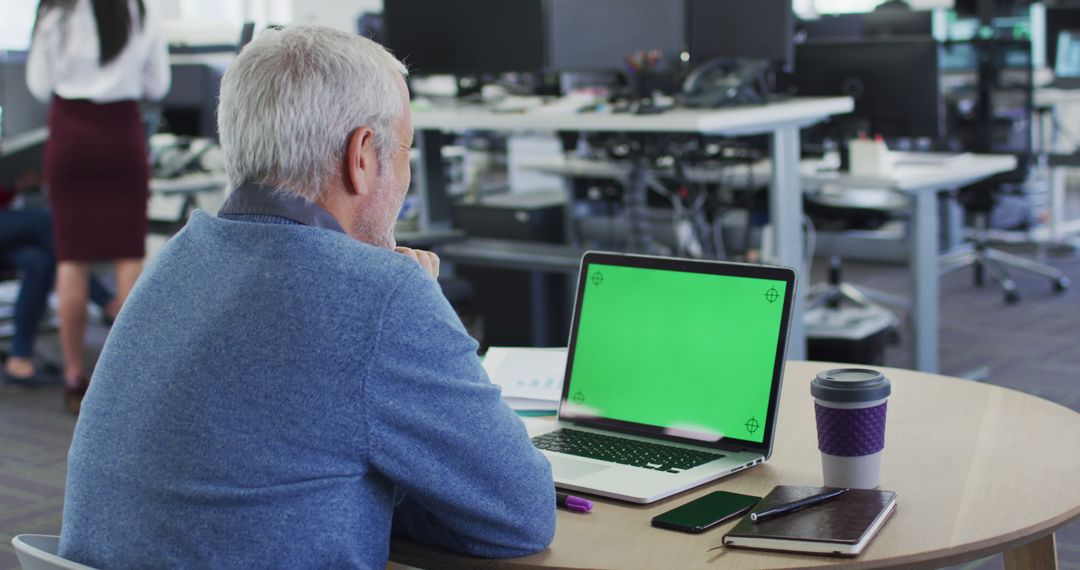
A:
(293, 97)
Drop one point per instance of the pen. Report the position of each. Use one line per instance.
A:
(572, 503)
(780, 510)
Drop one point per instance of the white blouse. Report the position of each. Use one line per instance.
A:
(64, 58)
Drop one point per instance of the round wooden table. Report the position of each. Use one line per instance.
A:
(978, 469)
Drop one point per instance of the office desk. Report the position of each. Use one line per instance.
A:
(173, 199)
(978, 470)
(923, 181)
(781, 120)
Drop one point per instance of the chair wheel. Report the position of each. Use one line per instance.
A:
(1012, 297)
(1061, 284)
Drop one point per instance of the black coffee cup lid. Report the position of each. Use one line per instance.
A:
(850, 385)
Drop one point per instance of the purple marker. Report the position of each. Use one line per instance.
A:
(572, 503)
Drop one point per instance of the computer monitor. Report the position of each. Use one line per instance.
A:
(466, 37)
(832, 26)
(597, 35)
(1057, 20)
(898, 22)
(895, 82)
(755, 29)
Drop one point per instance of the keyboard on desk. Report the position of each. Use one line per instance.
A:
(623, 451)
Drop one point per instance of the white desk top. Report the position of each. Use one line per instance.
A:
(1054, 96)
(734, 121)
(918, 173)
(914, 173)
(190, 183)
(13, 144)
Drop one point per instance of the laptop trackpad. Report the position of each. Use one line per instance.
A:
(564, 469)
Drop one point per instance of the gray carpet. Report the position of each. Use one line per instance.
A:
(1030, 347)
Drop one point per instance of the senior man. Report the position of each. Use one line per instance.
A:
(282, 388)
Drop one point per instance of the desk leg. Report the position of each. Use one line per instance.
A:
(925, 275)
(786, 217)
(1038, 555)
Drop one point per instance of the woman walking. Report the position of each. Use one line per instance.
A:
(94, 60)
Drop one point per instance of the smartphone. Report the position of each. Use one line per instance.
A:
(706, 512)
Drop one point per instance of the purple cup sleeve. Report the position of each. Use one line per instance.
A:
(850, 432)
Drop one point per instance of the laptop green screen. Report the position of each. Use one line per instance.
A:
(691, 353)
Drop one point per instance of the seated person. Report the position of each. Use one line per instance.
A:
(26, 245)
(283, 387)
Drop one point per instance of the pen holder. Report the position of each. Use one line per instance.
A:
(642, 87)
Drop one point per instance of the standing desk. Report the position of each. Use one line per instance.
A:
(782, 120)
(978, 469)
(923, 181)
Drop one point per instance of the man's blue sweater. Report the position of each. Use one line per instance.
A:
(274, 395)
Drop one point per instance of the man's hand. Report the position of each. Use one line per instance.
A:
(429, 261)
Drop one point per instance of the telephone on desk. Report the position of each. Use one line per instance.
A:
(727, 82)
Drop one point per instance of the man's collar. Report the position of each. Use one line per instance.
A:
(260, 200)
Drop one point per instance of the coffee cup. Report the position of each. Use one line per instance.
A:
(850, 406)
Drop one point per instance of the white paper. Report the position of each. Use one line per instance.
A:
(530, 378)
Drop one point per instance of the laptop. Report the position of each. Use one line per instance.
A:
(1067, 65)
(673, 375)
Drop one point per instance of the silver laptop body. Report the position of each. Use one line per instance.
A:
(683, 353)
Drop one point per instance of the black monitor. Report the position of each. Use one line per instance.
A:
(755, 29)
(1058, 20)
(596, 35)
(832, 26)
(898, 22)
(895, 82)
(466, 37)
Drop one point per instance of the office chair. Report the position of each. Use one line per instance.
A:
(979, 201)
(38, 552)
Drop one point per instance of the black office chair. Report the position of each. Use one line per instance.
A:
(979, 202)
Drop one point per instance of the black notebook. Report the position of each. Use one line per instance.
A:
(842, 526)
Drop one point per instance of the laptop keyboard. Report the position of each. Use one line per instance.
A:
(623, 451)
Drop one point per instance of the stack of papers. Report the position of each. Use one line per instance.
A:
(531, 378)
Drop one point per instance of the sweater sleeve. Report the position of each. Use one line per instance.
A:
(473, 482)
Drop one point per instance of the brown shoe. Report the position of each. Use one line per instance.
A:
(73, 396)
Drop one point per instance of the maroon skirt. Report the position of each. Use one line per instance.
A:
(98, 180)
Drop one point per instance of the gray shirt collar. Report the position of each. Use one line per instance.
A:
(261, 200)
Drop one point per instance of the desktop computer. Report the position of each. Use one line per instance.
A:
(895, 83)
(597, 35)
(517, 307)
(759, 29)
(466, 37)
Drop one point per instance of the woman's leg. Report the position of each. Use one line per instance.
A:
(73, 287)
(127, 273)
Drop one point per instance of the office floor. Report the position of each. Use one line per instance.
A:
(1029, 347)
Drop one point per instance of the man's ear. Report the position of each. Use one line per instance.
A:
(360, 163)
